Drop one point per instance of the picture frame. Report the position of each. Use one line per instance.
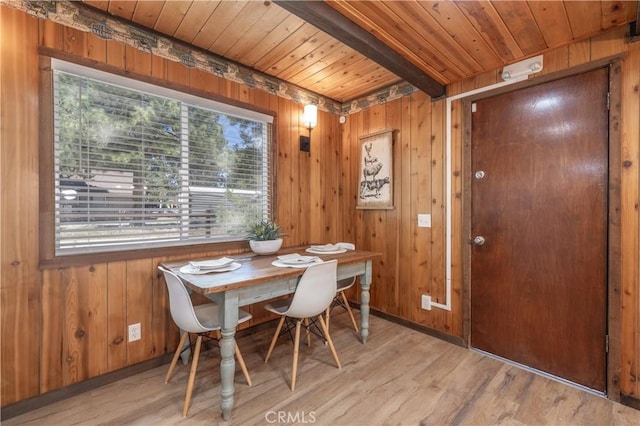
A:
(375, 181)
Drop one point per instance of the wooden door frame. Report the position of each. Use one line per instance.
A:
(614, 272)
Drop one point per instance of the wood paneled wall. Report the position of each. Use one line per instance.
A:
(414, 258)
(62, 326)
(65, 325)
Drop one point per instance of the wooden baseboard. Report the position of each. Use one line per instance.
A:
(630, 401)
(459, 341)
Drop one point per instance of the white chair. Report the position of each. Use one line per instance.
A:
(314, 293)
(200, 320)
(341, 297)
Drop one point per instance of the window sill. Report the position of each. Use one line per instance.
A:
(94, 258)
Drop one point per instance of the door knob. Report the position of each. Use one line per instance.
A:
(479, 240)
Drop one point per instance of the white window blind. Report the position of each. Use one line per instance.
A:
(137, 169)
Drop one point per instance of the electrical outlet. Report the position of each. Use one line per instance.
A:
(135, 332)
(426, 302)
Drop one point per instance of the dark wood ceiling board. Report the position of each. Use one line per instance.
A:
(369, 70)
(381, 22)
(357, 88)
(242, 23)
(615, 13)
(147, 12)
(269, 62)
(355, 61)
(583, 18)
(518, 18)
(435, 46)
(347, 87)
(171, 16)
(194, 19)
(336, 73)
(323, 50)
(260, 31)
(369, 16)
(339, 58)
(439, 49)
(343, 54)
(332, 22)
(343, 77)
(274, 38)
(297, 56)
(409, 35)
(457, 26)
(122, 9)
(553, 22)
(484, 17)
(218, 22)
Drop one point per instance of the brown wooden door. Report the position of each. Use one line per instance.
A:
(538, 283)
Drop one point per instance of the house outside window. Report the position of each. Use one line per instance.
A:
(140, 166)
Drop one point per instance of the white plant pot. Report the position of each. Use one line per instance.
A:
(265, 247)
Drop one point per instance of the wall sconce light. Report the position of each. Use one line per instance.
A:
(310, 120)
(522, 68)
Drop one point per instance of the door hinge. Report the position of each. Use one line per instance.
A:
(606, 343)
(608, 101)
(474, 107)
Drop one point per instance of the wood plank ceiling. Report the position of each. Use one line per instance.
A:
(446, 40)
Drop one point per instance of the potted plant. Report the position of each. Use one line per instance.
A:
(264, 237)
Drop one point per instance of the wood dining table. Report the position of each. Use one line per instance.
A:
(258, 279)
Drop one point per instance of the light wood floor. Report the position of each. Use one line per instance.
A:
(400, 377)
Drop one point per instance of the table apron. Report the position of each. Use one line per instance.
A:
(271, 290)
(266, 291)
(352, 270)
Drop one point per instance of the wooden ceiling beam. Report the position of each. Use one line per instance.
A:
(327, 19)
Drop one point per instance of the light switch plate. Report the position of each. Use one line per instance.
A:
(424, 221)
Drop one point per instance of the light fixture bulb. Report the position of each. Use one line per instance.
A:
(310, 116)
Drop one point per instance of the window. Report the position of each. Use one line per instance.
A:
(141, 166)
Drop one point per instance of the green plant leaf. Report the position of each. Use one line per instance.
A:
(264, 231)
